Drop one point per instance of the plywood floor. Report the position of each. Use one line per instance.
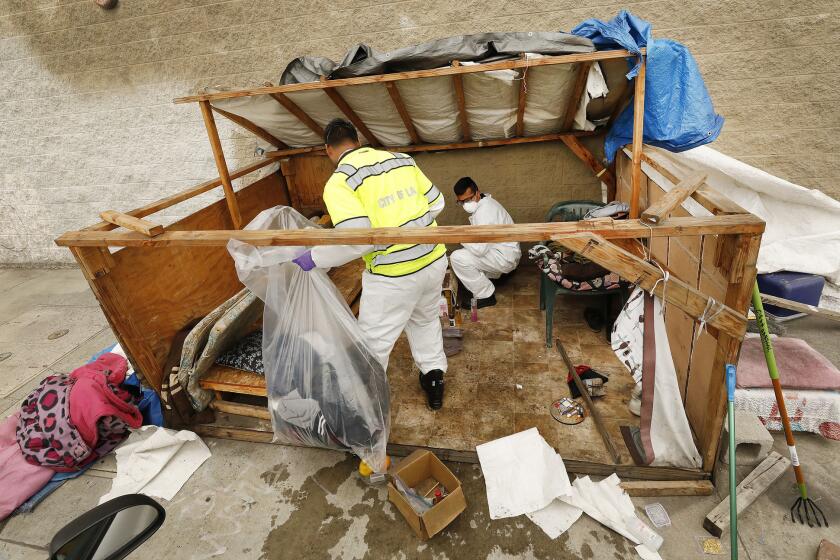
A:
(505, 347)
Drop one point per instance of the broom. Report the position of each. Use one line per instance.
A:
(803, 503)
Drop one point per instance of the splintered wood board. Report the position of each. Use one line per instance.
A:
(753, 486)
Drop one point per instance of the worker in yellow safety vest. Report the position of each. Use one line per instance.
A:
(401, 285)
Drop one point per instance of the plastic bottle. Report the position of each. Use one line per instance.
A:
(643, 533)
(474, 310)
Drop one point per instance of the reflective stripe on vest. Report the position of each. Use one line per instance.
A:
(404, 255)
(356, 179)
(393, 192)
(432, 194)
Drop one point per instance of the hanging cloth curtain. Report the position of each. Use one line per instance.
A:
(640, 341)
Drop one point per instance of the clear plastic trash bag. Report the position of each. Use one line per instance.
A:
(325, 388)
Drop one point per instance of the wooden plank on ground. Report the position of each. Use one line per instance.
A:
(596, 416)
(139, 225)
(801, 307)
(653, 488)
(658, 212)
(753, 486)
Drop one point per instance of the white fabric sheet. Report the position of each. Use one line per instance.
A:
(673, 444)
(604, 501)
(522, 474)
(803, 225)
(156, 462)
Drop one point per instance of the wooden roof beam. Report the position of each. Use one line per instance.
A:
(678, 226)
(444, 147)
(577, 95)
(294, 109)
(352, 116)
(458, 82)
(396, 98)
(520, 108)
(638, 138)
(583, 153)
(397, 76)
(221, 165)
(252, 128)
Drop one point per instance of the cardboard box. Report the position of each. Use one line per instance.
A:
(415, 470)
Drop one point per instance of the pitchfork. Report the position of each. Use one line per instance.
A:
(803, 503)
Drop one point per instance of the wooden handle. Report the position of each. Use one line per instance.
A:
(130, 222)
(657, 213)
(596, 416)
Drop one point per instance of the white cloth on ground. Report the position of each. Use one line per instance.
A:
(522, 474)
(156, 462)
(670, 433)
(604, 501)
(476, 263)
(389, 306)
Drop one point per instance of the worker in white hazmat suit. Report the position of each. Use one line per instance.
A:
(477, 263)
(402, 283)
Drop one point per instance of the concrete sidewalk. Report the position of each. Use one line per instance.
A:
(267, 501)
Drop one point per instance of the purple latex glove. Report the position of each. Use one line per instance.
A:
(304, 261)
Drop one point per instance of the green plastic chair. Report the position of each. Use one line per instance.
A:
(569, 211)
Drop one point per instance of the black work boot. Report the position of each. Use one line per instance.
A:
(432, 383)
(486, 302)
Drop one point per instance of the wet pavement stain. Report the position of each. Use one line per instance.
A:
(278, 473)
(472, 535)
(57, 334)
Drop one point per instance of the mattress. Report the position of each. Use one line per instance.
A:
(812, 411)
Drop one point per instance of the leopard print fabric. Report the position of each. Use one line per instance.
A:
(46, 434)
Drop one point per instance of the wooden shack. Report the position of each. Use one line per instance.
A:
(152, 281)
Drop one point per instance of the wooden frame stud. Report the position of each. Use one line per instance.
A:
(221, 165)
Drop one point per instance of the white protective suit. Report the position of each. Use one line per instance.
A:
(477, 263)
(389, 306)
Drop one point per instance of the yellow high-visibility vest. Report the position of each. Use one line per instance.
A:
(375, 188)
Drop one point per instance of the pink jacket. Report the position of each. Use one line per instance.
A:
(18, 478)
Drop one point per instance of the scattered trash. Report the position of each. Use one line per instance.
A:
(657, 515)
(413, 481)
(566, 411)
(710, 545)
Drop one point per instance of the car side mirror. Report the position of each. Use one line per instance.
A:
(110, 531)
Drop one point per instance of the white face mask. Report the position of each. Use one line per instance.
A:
(470, 206)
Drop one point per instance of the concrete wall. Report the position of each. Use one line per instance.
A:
(88, 124)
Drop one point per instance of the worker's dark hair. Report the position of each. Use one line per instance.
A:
(463, 184)
(339, 131)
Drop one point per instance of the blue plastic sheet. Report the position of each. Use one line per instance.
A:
(678, 110)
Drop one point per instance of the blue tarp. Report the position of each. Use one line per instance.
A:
(678, 110)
